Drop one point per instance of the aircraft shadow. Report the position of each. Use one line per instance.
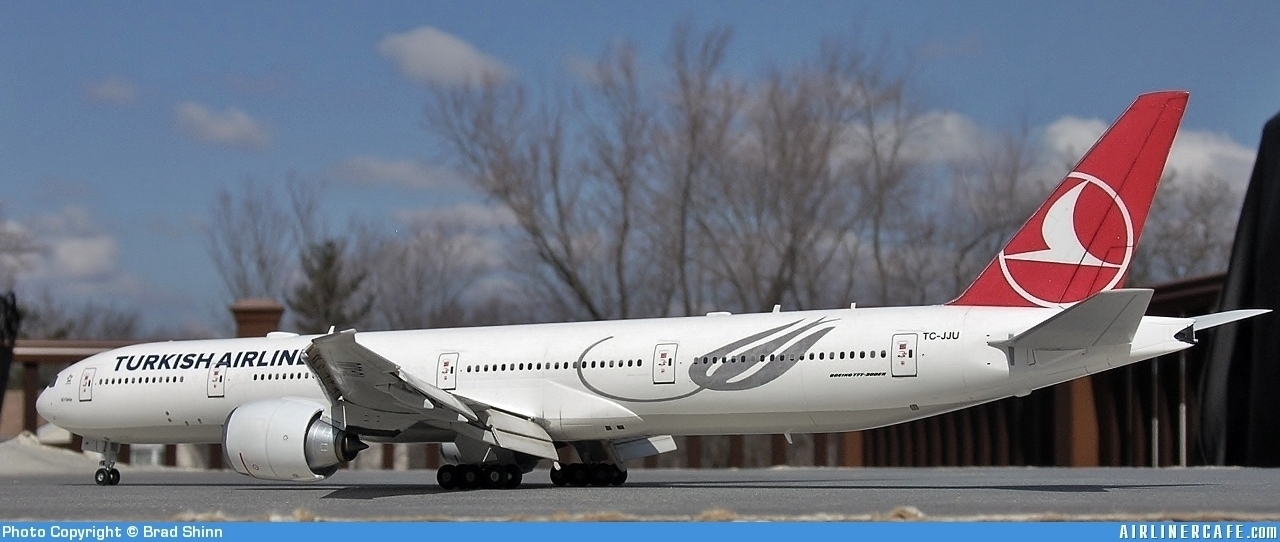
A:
(845, 484)
(382, 491)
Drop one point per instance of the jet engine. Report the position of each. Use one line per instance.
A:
(286, 439)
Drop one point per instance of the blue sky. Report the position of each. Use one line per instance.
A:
(119, 121)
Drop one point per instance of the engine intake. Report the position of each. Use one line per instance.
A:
(286, 439)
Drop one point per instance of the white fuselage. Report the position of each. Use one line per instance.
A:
(855, 369)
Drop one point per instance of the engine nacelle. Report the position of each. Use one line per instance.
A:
(286, 439)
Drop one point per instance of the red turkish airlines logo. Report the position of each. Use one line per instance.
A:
(1085, 245)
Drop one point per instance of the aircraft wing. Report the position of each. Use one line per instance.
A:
(352, 373)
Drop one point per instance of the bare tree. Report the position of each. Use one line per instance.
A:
(44, 317)
(248, 239)
(883, 169)
(255, 234)
(991, 195)
(576, 211)
(618, 127)
(332, 292)
(786, 195)
(420, 280)
(1189, 230)
(694, 143)
(17, 252)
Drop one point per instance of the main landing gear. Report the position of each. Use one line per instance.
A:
(492, 476)
(583, 474)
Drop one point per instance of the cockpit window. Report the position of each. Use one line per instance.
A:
(54, 381)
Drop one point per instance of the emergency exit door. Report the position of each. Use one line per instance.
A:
(86, 383)
(446, 371)
(664, 364)
(904, 354)
(217, 381)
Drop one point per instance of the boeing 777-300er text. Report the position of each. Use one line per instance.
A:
(1046, 310)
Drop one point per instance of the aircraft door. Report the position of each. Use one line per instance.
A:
(904, 354)
(86, 383)
(446, 371)
(217, 381)
(664, 364)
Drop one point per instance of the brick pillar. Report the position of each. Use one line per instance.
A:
(779, 450)
(852, 449)
(737, 451)
(693, 452)
(1075, 438)
(256, 317)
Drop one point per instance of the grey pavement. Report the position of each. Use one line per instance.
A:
(771, 494)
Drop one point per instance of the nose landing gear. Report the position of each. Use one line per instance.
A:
(106, 475)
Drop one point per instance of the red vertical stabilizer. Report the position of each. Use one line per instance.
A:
(1082, 238)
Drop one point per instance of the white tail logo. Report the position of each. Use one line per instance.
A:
(1064, 245)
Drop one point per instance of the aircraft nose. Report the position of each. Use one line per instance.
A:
(47, 405)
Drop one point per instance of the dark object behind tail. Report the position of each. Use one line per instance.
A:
(1240, 386)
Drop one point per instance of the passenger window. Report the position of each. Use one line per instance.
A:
(884, 354)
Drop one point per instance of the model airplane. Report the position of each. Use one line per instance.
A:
(285, 407)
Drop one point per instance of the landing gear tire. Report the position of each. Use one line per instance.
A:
(447, 477)
(102, 477)
(514, 477)
(558, 477)
(619, 476)
(113, 477)
(577, 474)
(601, 474)
(493, 477)
(470, 477)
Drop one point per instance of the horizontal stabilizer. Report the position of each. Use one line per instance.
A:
(1216, 319)
(1108, 318)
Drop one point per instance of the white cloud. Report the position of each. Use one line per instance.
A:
(79, 257)
(113, 90)
(231, 127)
(85, 257)
(1196, 154)
(947, 136)
(1199, 154)
(1072, 136)
(430, 56)
(407, 173)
